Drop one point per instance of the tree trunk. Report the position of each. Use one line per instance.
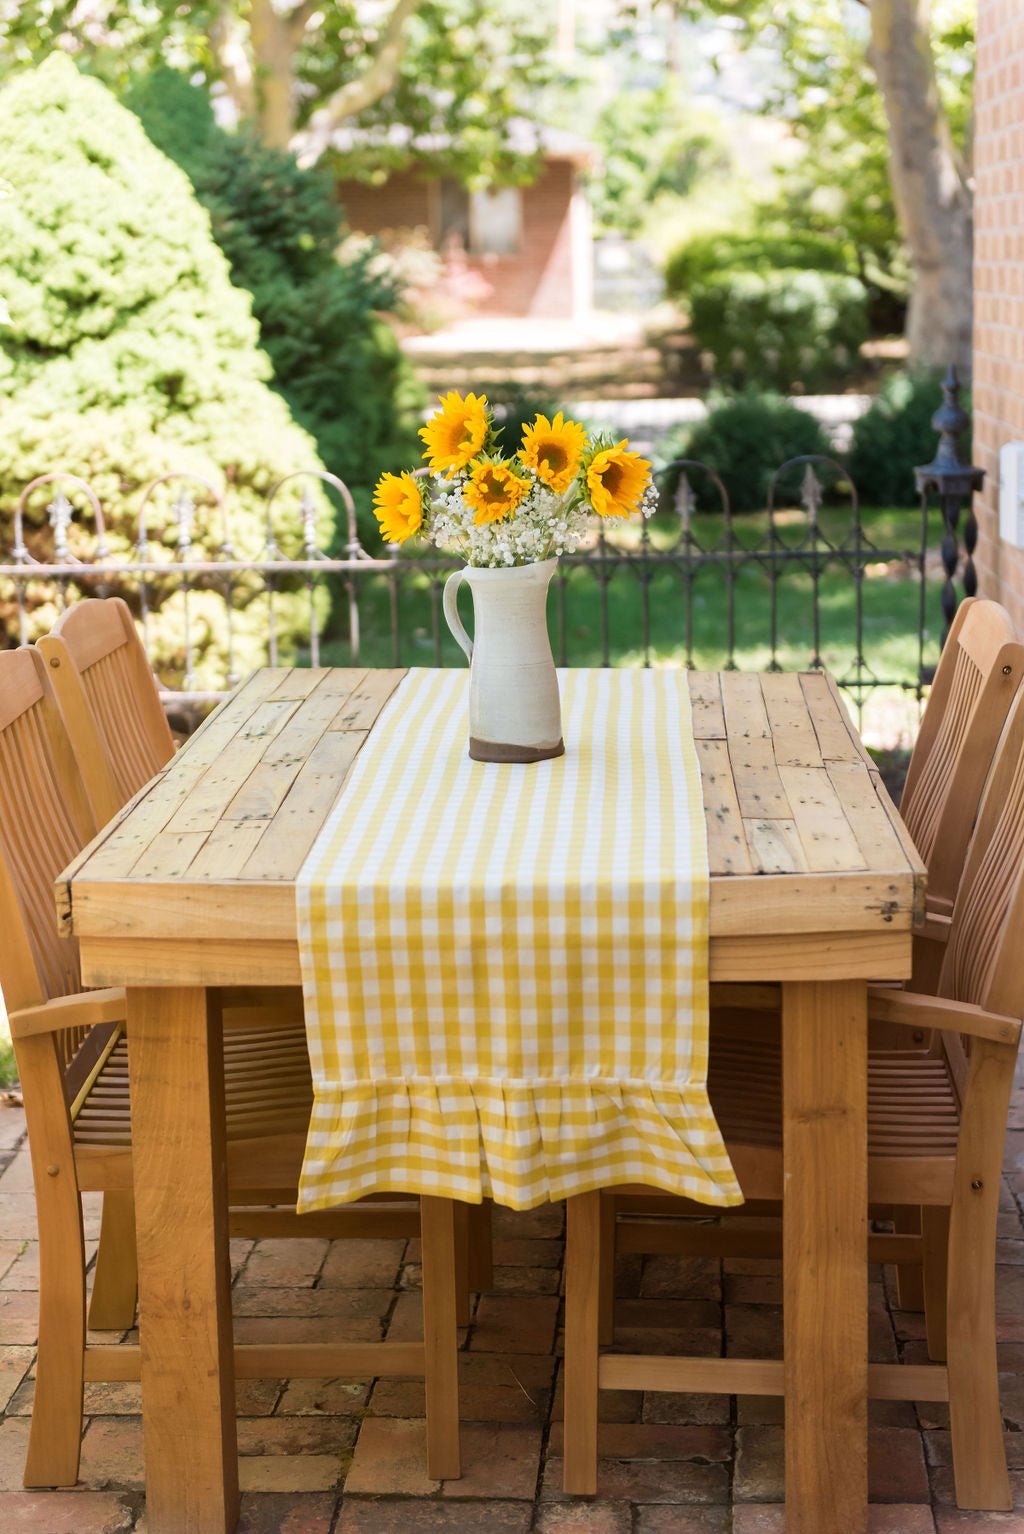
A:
(933, 200)
(273, 39)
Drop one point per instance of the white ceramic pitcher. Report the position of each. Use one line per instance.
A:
(515, 712)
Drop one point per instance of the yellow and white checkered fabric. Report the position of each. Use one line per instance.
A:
(505, 967)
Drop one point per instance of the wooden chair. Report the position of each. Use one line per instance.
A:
(110, 702)
(109, 698)
(936, 1130)
(72, 1058)
(979, 672)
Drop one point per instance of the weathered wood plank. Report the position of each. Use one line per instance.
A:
(793, 737)
(727, 843)
(858, 791)
(745, 713)
(367, 700)
(775, 846)
(836, 739)
(826, 837)
(760, 789)
(706, 705)
(168, 855)
(226, 850)
(282, 849)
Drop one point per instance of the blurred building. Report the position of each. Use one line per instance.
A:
(517, 250)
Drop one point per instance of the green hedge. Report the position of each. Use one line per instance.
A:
(895, 436)
(744, 440)
(778, 328)
(708, 255)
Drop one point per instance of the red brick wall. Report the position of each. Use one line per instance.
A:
(999, 282)
(536, 281)
(539, 279)
(403, 202)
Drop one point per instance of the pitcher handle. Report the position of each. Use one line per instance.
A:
(450, 605)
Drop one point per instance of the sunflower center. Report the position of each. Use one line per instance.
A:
(492, 487)
(611, 478)
(553, 457)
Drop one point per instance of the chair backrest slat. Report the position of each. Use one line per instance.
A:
(980, 670)
(110, 701)
(982, 964)
(44, 823)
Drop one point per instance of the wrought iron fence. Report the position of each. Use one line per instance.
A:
(810, 581)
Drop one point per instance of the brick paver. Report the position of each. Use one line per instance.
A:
(347, 1456)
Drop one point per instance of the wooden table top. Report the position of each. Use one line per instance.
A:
(196, 875)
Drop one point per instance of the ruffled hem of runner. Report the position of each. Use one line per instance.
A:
(522, 1144)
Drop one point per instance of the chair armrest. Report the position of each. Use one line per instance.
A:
(912, 1009)
(82, 1010)
(934, 925)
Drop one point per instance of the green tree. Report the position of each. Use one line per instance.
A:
(129, 353)
(880, 91)
(336, 362)
(451, 72)
(648, 144)
(888, 144)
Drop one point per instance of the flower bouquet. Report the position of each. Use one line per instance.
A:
(499, 511)
(509, 517)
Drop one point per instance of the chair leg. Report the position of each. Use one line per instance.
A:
(975, 1417)
(440, 1343)
(582, 1307)
(54, 1442)
(116, 1278)
(481, 1247)
(606, 1312)
(909, 1276)
(935, 1234)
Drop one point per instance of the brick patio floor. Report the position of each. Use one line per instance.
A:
(346, 1457)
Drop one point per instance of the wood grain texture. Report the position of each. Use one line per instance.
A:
(801, 835)
(825, 1256)
(187, 1352)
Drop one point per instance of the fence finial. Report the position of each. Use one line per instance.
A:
(955, 482)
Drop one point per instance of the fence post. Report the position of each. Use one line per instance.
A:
(955, 482)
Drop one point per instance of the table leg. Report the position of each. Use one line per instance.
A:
(175, 1068)
(824, 1072)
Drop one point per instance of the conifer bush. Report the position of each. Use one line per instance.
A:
(128, 352)
(318, 303)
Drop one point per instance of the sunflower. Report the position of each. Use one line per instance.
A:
(616, 480)
(493, 491)
(398, 507)
(455, 433)
(554, 450)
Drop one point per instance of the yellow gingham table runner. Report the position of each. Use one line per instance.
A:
(505, 967)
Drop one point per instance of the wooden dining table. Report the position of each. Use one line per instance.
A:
(814, 882)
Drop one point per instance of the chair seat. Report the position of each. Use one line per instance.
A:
(913, 1110)
(267, 1089)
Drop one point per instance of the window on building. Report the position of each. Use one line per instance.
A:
(496, 221)
(485, 223)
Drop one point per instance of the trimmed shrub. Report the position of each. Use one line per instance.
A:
(744, 440)
(336, 362)
(895, 436)
(707, 255)
(129, 353)
(777, 328)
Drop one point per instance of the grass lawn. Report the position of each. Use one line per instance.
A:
(584, 629)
